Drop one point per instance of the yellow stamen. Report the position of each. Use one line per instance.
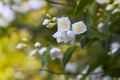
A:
(63, 24)
(78, 28)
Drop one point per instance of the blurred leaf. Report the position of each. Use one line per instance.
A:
(86, 42)
(115, 25)
(93, 8)
(81, 4)
(43, 60)
(67, 55)
(92, 14)
(105, 44)
(83, 41)
(93, 33)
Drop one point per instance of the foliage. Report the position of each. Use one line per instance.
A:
(88, 47)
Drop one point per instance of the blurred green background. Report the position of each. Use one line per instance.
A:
(21, 19)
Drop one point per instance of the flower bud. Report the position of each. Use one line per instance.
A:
(46, 22)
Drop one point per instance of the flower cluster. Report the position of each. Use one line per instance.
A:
(50, 22)
(65, 33)
(54, 52)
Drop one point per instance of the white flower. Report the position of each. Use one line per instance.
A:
(97, 76)
(63, 24)
(71, 67)
(33, 52)
(106, 78)
(100, 25)
(109, 7)
(115, 10)
(20, 46)
(24, 39)
(101, 1)
(79, 27)
(70, 36)
(7, 13)
(55, 53)
(60, 36)
(116, 2)
(114, 47)
(37, 44)
(36, 4)
(42, 50)
(84, 71)
(46, 22)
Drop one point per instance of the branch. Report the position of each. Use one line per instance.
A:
(83, 74)
(66, 73)
(58, 3)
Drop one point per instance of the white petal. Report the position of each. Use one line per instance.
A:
(55, 53)
(60, 36)
(71, 67)
(45, 22)
(109, 7)
(19, 46)
(79, 27)
(101, 1)
(71, 36)
(63, 24)
(37, 44)
(42, 50)
(33, 52)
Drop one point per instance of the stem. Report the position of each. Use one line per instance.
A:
(66, 73)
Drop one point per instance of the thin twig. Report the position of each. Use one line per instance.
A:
(59, 3)
(66, 73)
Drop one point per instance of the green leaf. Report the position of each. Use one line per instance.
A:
(81, 4)
(85, 42)
(93, 33)
(43, 60)
(67, 55)
(92, 14)
(115, 25)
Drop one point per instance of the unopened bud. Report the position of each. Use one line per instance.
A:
(37, 44)
(54, 19)
(45, 22)
(48, 15)
(51, 25)
(20, 46)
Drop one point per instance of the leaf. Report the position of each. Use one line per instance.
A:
(43, 60)
(93, 33)
(67, 55)
(92, 14)
(81, 4)
(115, 25)
(83, 41)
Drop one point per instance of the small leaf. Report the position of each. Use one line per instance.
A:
(93, 33)
(67, 55)
(115, 25)
(83, 41)
(43, 60)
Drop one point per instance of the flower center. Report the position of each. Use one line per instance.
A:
(78, 28)
(63, 24)
(55, 53)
